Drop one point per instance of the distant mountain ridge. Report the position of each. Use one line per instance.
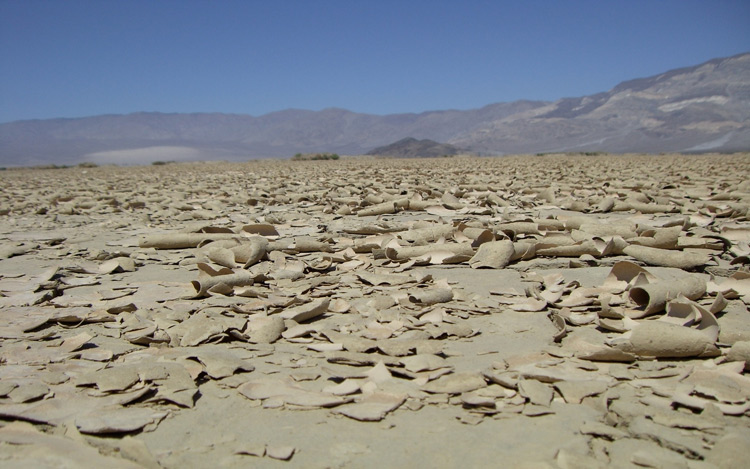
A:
(699, 108)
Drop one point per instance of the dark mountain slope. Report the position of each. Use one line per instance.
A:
(412, 148)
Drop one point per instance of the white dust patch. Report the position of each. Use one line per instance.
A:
(144, 155)
(712, 144)
(676, 106)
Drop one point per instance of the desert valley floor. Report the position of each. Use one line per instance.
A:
(536, 311)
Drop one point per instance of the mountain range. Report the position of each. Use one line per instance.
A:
(693, 109)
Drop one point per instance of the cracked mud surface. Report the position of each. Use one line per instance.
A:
(540, 311)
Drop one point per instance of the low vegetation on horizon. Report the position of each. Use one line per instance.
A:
(315, 156)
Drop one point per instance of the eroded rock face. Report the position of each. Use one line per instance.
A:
(607, 295)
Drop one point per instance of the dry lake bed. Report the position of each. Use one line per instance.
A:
(537, 311)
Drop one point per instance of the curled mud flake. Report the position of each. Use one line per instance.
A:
(181, 240)
(117, 265)
(23, 282)
(533, 410)
(682, 442)
(223, 283)
(16, 249)
(738, 282)
(250, 251)
(74, 343)
(661, 339)
(58, 450)
(16, 322)
(417, 363)
(325, 347)
(682, 312)
(264, 329)
(477, 399)
(699, 403)
(613, 324)
(740, 351)
(26, 299)
(345, 388)
(441, 257)
(282, 453)
(663, 238)
(559, 323)
(114, 379)
(654, 296)
(545, 373)
(304, 244)
(262, 229)
(707, 322)
(222, 256)
(288, 393)
(220, 361)
(6, 387)
(377, 331)
(295, 331)
(514, 229)
(605, 205)
(528, 305)
(625, 274)
(577, 318)
(535, 392)
(350, 342)
(383, 208)
(28, 391)
(384, 279)
(724, 382)
(339, 305)
(306, 311)
(574, 391)
(550, 295)
(718, 304)
(456, 383)
(404, 253)
(493, 255)
(580, 297)
(118, 420)
(372, 407)
(601, 430)
(203, 327)
(604, 353)
(588, 247)
(431, 296)
(667, 258)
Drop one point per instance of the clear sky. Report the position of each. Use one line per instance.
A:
(73, 58)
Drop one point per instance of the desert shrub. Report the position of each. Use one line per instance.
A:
(315, 156)
(88, 164)
(50, 166)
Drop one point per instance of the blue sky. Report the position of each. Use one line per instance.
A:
(78, 58)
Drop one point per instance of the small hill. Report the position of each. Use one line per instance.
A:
(412, 148)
